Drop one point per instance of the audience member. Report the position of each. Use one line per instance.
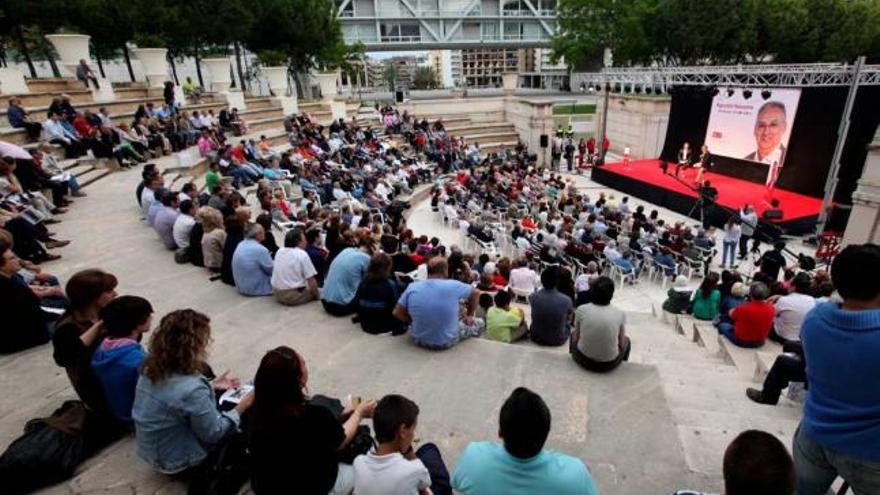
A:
(551, 311)
(295, 441)
(599, 342)
(678, 297)
(376, 298)
(706, 300)
(293, 275)
(432, 308)
(521, 466)
(756, 463)
(838, 435)
(791, 309)
(117, 360)
(27, 325)
(252, 264)
(393, 466)
(503, 322)
(177, 423)
(750, 322)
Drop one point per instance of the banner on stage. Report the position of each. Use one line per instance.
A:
(755, 128)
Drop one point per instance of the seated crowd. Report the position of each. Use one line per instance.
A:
(337, 196)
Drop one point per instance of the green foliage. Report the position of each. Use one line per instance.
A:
(577, 109)
(424, 78)
(149, 40)
(678, 32)
(389, 75)
(272, 58)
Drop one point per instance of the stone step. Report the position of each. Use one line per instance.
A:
(485, 127)
(258, 102)
(265, 123)
(745, 359)
(52, 84)
(260, 113)
(497, 146)
(92, 175)
(44, 98)
(132, 92)
(706, 335)
(78, 169)
(763, 362)
(490, 136)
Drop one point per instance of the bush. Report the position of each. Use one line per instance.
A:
(272, 58)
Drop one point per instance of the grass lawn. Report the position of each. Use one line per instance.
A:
(586, 108)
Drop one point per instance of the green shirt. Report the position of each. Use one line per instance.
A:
(212, 178)
(706, 308)
(500, 322)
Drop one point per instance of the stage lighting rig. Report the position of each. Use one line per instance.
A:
(730, 92)
(766, 94)
(747, 93)
(715, 91)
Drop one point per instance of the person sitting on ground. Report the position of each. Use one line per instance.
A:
(182, 229)
(235, 225)
(213, 238)
(19, 119)
(791, 309)
(293, 439)
(678, 297)
(737, 297)
(706, 300)
(344, 277)
(118, 358)
(432, 308)
(551, 311)
(521, 466)
(293, 275)
(252, 264)
(78, 333)
(523, 280)
(85, 74)
(177, 423)
(376, 298)
(27, 325)
(165, 218)
(838, 435)
(265, 221)
(393, 466)
(503, 323)
(599, 342)
(755, 463)
(751, 321)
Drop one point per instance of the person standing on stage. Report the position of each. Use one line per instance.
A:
(591, 149)
(582, 153)
(749, 222)
(704, 163)
(626, 158)
(684, 157)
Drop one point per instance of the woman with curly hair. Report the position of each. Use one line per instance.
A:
(177, 423)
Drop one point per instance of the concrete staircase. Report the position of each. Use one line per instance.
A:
(492, 136)
(704, 378)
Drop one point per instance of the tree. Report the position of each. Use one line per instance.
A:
(587, 27)
(389, 75)
(424, 78)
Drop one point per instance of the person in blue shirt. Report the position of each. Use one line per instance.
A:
(432, 306)
(252, 264)
(344, 277)
(521, 465)
(118, 358)
(839, 434)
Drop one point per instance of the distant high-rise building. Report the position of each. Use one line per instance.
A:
(483, 67)
(446, 65)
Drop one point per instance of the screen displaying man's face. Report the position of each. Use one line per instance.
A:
(769, 128)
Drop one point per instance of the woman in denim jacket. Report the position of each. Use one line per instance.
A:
(177, 423)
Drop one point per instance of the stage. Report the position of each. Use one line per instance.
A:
(643, 179)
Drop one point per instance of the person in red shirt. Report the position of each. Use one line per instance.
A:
(751, 321)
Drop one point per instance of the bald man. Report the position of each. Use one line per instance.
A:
(770, 126)
(432, 307)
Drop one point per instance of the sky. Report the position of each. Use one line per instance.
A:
(386, 55)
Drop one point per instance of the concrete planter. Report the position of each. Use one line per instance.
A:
(155, 63)
(509, 81)
(277, 77)
(71, 48)
(219, 70)
(327, 83)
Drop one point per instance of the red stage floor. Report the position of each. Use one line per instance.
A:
(732, 192)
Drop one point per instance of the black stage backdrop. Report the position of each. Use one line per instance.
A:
(810, 147)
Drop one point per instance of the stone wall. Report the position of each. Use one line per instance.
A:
(531, 117)
(635, 121)
(864, 220)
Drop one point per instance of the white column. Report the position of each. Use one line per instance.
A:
(864, 219)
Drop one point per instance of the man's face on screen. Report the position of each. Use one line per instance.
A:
(769, 129)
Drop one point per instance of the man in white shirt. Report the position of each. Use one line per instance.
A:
(790, 310)
(523, 280)
(293, 274)
(183, 224)
(393, 468)
(148, 195)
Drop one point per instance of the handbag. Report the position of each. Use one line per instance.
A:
(225, 471)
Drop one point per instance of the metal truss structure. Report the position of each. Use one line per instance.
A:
(447, 24)
(775, 76)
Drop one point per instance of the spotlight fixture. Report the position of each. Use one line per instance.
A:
(591, 88)
(730, 92)
(649, 90)
(747, 93)
(715, 91)
(766, 94)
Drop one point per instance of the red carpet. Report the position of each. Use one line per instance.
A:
(732, 192)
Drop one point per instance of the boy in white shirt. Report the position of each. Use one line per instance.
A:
(393, 468)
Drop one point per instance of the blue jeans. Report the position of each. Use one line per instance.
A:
(726, 329)
(728, 247)
(817, 467)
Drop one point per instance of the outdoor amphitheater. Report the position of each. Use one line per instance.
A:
(604, 179)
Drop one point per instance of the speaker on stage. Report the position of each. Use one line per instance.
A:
(545, 140)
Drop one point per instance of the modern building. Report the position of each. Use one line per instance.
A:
(446, 65)
(404, 68)
(483, 67)
(450, 24)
